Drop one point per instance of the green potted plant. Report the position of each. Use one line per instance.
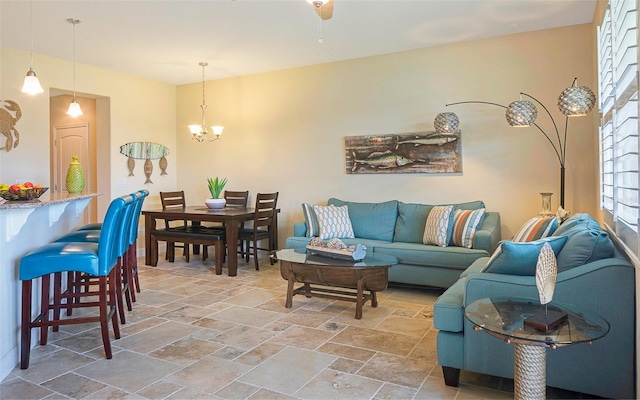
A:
(215, 188)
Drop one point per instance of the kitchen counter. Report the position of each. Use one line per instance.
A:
(24, 226)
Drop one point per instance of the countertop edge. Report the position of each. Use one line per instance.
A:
(52, 199)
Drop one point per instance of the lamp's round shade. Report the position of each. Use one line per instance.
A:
(576, 101)
(446, 123)
(521, 113)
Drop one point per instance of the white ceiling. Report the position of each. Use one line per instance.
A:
(165, 40)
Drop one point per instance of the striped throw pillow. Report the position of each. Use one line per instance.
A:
(310, 219)
(437, 225)
(536, 228)
(465, 224)
(333, 222)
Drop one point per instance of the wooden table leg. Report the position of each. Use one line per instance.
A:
(374, 299)
(289, 301)
(149, 225)
(232, 246)
(359, 298)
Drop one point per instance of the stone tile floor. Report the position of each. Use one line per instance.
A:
(195, 335)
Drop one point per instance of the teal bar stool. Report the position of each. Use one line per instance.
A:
(123, 291)
(132, 252)
(132, 258)
(95, 259)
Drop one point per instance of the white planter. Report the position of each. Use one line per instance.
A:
(215, 203)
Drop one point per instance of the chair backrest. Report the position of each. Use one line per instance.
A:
(111, 234)
(236, 198)
(135, 217)
(172, 201)
(265, 210)
(125, 227)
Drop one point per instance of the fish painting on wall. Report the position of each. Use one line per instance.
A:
(420, 152)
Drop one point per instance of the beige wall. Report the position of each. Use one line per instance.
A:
(285, 130)
(129, 109)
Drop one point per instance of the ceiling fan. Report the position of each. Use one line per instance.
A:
(324, 8)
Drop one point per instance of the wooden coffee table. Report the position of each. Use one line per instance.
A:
(370, 274)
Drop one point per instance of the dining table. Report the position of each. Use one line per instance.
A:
(230, 216)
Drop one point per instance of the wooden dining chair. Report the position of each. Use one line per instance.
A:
(263, 226)
(171, 201)
(237, 198)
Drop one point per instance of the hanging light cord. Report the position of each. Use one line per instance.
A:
(31, 22)
(204, 105)
(74, 58)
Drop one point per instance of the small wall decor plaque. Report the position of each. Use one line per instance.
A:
(420, 152)
(145, 151)
(10, 113)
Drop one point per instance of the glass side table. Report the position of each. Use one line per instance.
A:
(504, 319)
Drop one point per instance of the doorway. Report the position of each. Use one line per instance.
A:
(74, 137)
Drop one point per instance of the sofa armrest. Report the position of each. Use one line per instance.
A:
(489, 233)
(300, 229)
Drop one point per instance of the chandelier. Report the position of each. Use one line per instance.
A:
(200, 132)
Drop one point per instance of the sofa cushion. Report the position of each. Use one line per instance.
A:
(333, 222)
(465, 224)
(452, 257)
(375, 221)
(438, 226)
(575, 219)
(311, 220)
(536, 228)
(586, 242)
(520, 258)
(412, 218)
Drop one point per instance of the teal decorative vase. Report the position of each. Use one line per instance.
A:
(75, 177)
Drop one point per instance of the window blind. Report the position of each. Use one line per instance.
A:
(618, 102)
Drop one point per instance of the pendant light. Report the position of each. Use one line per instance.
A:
(74, 107)
(199, 132)
(31, 83)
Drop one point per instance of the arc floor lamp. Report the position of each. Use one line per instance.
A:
(574, 101)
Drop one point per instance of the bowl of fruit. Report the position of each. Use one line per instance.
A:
(19, 192)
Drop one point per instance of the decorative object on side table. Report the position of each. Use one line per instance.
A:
(215, 188)
(335, 248)
(546, 205)
(546, 272)
(75, 177)
(574, 101)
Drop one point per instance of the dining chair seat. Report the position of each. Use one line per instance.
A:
(90, 258)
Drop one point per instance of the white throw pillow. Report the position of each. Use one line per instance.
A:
(436, 229)
(333, 222)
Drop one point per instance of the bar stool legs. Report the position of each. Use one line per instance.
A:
(106, 303)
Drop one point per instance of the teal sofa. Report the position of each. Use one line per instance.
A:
(592, 276)
(396, 228)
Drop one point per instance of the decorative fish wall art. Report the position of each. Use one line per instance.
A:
(145, 151)
(420, 152)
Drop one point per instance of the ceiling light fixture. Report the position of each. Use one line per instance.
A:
(199, 132)
(573, 101)
(31, 83)
(74, 107)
